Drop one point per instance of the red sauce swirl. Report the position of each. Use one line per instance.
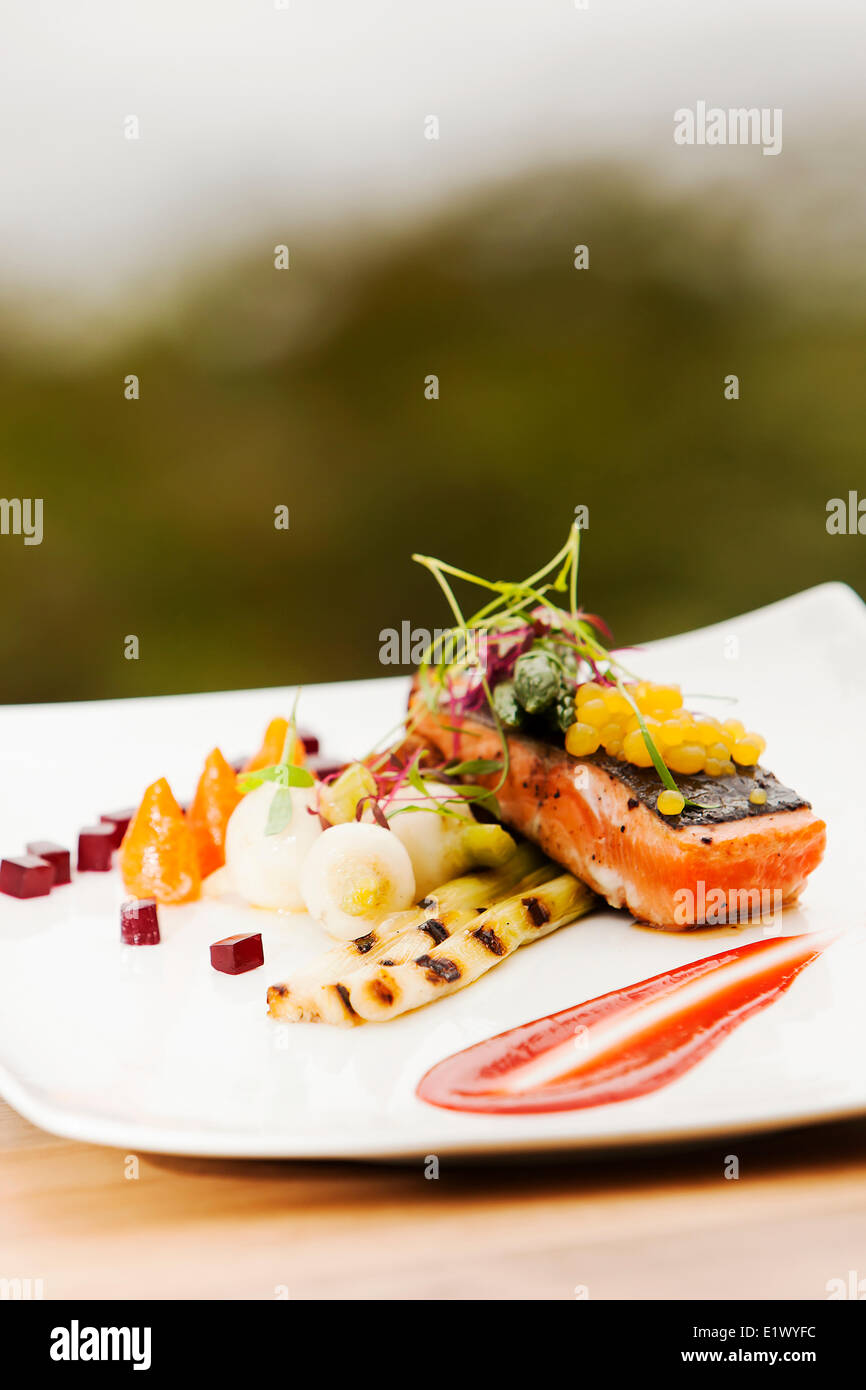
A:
(623, 1044)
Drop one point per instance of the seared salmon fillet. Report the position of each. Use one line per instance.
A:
(731, 861)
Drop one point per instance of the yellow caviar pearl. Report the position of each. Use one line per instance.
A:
(671, 732)
(713, 767)
(670, 803)
(610, 733)
(614, 749)
(616, 703)
(705, 732)
(581, 740)
(734, 727)
(594, 712)
(590, 690)
(686, 757)
(758, 797)
(664, 699)
(636, 750)
(746, 752)
(718, 751)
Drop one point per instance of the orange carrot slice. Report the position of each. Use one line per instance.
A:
(215, 798)
(272, 747)
(158, 856)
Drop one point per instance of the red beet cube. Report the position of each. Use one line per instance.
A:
(26, 877)
(310, 741)
(119, 820)
(95, 844)
(57, 857)
(139, 923)
(235, 954)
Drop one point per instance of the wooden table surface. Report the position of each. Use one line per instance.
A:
(660, 1224)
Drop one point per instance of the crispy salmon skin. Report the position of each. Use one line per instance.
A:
(597, 817)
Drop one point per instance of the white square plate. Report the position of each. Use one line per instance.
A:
(151, 1049)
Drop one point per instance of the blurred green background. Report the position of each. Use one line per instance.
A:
(557, 388)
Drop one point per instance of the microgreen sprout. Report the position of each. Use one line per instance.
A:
(523, 616)
(287, 773)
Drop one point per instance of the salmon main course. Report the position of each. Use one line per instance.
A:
(730, 860)
(534, 774)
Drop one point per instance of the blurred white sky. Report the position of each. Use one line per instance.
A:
(259, 118)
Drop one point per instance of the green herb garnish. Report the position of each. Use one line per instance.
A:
(286, 773)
